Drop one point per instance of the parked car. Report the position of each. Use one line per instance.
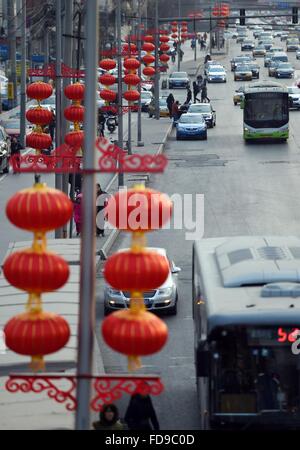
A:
(238, 96)
(163, 108)
(146, 97)
(12, 127)
(207, 111)
(243, 72)
(5, 151)
(162, 299)
(284, 70)
(294, 97)
(178, 80)
(216, 74)
(191, 126)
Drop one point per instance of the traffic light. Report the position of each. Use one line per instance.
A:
(295, 15)
(242, 17)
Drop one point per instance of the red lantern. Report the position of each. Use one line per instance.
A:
(148, 59)
(164, 47)
(184, 29)
(149, 71)
(39, 90)
(36, 272)
(108, 95)
(107, 79)
(75, 91)
(132, 79)
(174, 36)
(39, 209)
(174, 29)
(39, 116)
(148, 38)
(148, 47)
(75, 139)
(131, 64)
(131, 96)
(74, 113)
(184, 23)
(130, 271)
(38, 141)
(154, 209)
(174, 23)
(107, 64)
(164, 58)
(129, 48)
(164, 39)
(36, 334)
(134, 334)
(184, 35)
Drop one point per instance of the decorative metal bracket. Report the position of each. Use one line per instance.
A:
(106, 388)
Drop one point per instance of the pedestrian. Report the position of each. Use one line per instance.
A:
(175, 45)
(170, 100)
(101, 204)
(175, 111)
(196, 90)
(213, 42)
(205, 37)
(207, 58)
(181, 53)
(109, 419)
(189, 95)
(204, 98)
(199, 81)
(15, 149)
(52, 124)
(77, 213)
(173, 56)
(140, 414)
(101, 122)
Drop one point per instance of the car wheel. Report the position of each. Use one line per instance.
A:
(173, 310)
(211, 125)
(107, 311)
(205, 137)
(177, 138)
(235, 103)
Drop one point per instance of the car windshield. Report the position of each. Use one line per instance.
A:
(193, 118)
(178, 75)
(294, 90)
(146, 95)
(215, 69)
(11, 124)
(242, 68)
(260, 47)
(284, 66)
(199, 108)
(162, 102)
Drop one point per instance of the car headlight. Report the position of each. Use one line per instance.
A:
(246, 129)
(165, 291)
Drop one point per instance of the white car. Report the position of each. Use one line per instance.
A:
(294, 97)
(298, 54)
(216, 74)
(3, 85)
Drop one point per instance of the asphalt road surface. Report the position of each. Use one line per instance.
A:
(248, 190)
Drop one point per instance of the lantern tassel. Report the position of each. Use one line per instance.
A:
(37, 363)
(134, 363)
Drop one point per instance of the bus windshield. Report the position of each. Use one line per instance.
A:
(266, 109)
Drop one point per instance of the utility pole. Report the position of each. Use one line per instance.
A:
(11, 16)
(129, 148)
(23, 76)
(46, 47)
(87, 264)
(179, 37)
(67, 58)
(120, 96)
(140, 143)
(157, 72)
(195, 37)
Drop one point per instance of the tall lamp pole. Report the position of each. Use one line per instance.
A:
(179, 37)
(120, 96)
(23, 76)
(87, 263)
(140, 143)
(157, 72)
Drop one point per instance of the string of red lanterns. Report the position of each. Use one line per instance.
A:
(164, 47)
(75, 114)
(131, 79)
(148, 59)
(107, 80)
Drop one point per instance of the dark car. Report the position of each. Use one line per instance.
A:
(243, 72)
(255, 70)
(207, 111)
(239, 60)
(178, 80)
(4, 150)
(247, 45)
(284, 70)
(272, 68)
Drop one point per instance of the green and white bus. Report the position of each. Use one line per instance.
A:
(266, 111)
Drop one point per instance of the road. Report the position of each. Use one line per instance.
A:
(248, 190)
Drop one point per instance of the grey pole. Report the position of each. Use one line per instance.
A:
(195, 50)
(129, 148)
(157, 72)
(87, 264)
(23, 76)
(11, 10)
(46, 48)
(179, 37)
(140, 143)
(67, 58)
(120, 96)
(58, 137)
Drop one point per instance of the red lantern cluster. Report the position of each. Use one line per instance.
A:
(164, 47)
(136, 332)
(38, 139)
(35, 270)
(131, 79)
(107, 94)
(75, 113)
(149, 58)
(184, 31)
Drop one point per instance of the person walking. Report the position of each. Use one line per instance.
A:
(15, 149)
(101, 123)
(189, 95)
(175, 111)
(101, 204)
(77, 213)
(109, 419)
(52, 125)
(140, 414)
(170, 100)
(204, 98)
(196, 90)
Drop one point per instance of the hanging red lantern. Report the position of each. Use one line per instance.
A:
(164, 47)
(164, 58)
(132, 79)
(155, 209)
(75, 139)
(38, 141)
(148, 38)
(39, 116)
(174, 36)
(131, 271)
(149, 71)
(184, 29)
(131, 96)
(39, 209)
(107, 64)
(134, 335)
(174, 29)
(75, 91)
(36, 334)
(148, 47)
(36, 272)
(39, 90)
(108, 95)
(148, 59)
(131, 64)
(184, 23)
(107, 79)
(184, 36)
(74, 113)
(174, 23)
(164, 39)
(128, 48)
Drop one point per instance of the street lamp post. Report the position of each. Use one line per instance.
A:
(140, 143)
(23, 76)
(179, 37)
(120, 96)
(157, 72)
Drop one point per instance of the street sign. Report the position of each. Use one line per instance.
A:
(10, 91)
